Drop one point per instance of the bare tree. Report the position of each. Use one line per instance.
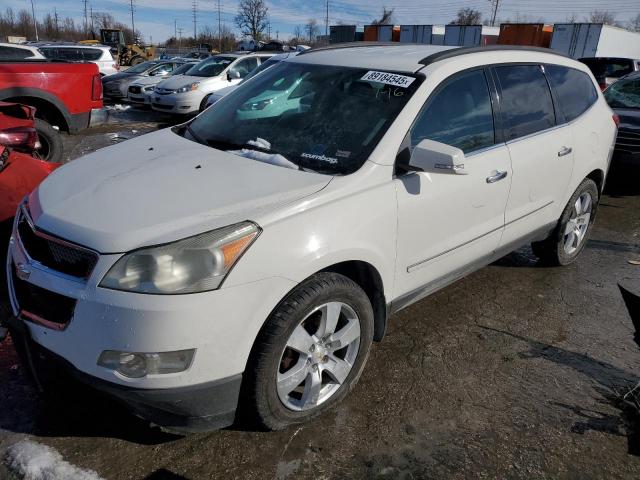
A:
(311, 29)
(386, 18)
(467, 16)
(573, 18)
(252, 18)
(602, 16)
(297, 32)
(634, 23)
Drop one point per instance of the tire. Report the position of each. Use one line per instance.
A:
(562, 248)
(203, 104)
(51, 148)
(272, 359)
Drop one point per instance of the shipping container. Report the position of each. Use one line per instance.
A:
(463, 35)
(342, 33)
(381, 33)
(415, 33)
(489, 35)
(586, 40)
(531, 34)
(437, 35)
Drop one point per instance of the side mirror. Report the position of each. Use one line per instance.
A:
(233, 75)
(435, 157)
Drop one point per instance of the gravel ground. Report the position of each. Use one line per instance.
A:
(513, 372)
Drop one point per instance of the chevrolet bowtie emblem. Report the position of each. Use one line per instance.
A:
(22, 272)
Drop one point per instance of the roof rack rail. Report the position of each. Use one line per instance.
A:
(455, 52)
(338, 46)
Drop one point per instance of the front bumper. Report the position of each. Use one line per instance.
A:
(220, 325)
(179, 103)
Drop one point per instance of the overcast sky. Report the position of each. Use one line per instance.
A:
(155, 18)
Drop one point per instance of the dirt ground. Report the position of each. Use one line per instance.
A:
(513, 372)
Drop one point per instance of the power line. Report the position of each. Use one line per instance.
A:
(35, 22)
(219, 29)
(133, 25)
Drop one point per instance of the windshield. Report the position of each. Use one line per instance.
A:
(624, 93)
(211, 67)
(609, 67)
(182, 69)
(322, 118)
(140, 68)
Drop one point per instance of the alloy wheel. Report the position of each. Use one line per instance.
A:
(318, 356)
(576, 228)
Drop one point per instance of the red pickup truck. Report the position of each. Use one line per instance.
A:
(62, 93)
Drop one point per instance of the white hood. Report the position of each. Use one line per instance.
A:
(158, 188)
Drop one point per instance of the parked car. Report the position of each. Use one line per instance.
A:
(141, 90)
(63, 94)
(263, 255)
(624, 98)
(20, 173)
(212, 98)
(116, 87)
(13, 51)
(187, 94)
(98, 54)
(196, 56)
(608, 70)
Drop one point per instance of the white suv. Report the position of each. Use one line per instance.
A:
(98, 54)
(261, 247)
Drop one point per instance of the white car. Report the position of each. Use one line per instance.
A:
(15, 51)
(218, 94)
(187, 93)
(98, 54)
(264, 255)
(142, 89)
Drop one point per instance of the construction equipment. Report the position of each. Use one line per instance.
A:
(126, 55)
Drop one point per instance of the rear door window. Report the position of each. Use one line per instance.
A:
(576, 92)
(458, 114)
(526, 105)
(91, 54)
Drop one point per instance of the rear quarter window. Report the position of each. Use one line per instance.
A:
(575, 90)
(92, 54)
(11, 53)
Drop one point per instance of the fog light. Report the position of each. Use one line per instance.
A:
(138, 365)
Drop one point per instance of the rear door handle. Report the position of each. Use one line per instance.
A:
(565, 151)
(496, 177)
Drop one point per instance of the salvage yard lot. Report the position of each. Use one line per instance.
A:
(513, 372)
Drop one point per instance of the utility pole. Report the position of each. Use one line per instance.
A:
(326, 21)
(195, 18)
(55, 19)
(35, 22)
(269, 30)
(180, 40)
(175, 28)
(133, 25)
(219, 29)
(91, 12)
(494, 5)
(86, 22)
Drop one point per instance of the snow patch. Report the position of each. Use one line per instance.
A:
(272, 158)
(34, 461)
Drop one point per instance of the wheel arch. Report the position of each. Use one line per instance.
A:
(48, 107)
(597, 176)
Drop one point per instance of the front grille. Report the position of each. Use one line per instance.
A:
(135, 89)
(57, 255)
(42, 306)
(628, 140)
(163, 107)
(163, 91)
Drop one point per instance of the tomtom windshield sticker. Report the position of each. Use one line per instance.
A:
(388, 78)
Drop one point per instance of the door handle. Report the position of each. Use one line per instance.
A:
(496, 177)
(565, 151)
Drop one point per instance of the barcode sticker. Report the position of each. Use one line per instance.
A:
(388, 78)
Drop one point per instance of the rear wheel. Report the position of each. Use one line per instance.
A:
(310, 353)
(51, 147)
(574, 227)
(203, 103)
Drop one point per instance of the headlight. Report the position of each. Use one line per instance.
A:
(195, 264)
(188, 88)
(150, 88)
(259, 105)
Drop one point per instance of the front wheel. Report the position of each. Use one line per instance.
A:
(574, 227)
(310, 352)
